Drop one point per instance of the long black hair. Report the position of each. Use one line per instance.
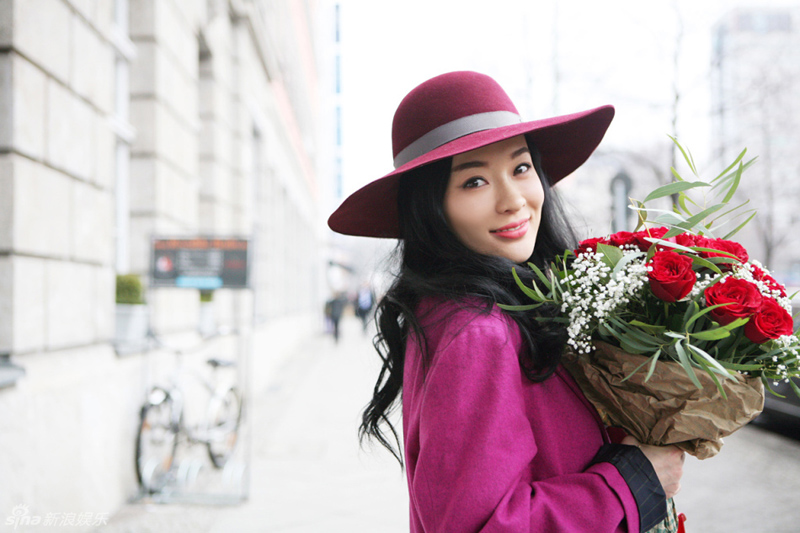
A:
(434, 262)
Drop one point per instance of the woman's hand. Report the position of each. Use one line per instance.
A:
(667, 461)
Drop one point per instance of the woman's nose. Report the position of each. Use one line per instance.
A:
(510, 198)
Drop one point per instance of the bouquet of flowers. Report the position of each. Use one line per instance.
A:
(674, 330)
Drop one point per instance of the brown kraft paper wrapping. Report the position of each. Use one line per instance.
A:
(668, 408)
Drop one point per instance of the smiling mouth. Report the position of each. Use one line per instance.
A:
(511, 228)
(515, 230)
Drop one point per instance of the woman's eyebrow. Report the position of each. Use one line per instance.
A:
(519, 152)
(468, 164)
(477, 164)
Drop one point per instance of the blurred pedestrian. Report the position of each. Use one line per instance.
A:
(497, 435)
(336, 306)
(365, 299)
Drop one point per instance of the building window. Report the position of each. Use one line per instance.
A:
(620, 191)
(125, 52)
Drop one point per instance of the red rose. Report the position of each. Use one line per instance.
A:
(621, 238)
(743, 297)
(686, 239)
(671, 276)
(653, 233)
(770, 322)
(722, 245)
(590, 245)
(769, 281)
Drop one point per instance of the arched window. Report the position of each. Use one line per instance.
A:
(620, 191)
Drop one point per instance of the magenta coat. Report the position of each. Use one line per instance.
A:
(488, 450)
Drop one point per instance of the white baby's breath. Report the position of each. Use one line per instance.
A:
(746, 272)
(595, 293)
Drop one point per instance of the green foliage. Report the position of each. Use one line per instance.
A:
(700, 216)
(129, 289)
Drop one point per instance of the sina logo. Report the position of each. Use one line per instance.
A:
(20, 516)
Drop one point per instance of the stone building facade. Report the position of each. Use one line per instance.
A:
(121, 120)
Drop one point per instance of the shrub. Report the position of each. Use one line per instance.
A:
(129, 289)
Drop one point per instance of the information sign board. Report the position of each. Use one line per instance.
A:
(204, 263)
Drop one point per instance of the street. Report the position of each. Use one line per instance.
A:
(308, 474)
(752, 485)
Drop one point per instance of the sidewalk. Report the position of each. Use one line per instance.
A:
(307, 472)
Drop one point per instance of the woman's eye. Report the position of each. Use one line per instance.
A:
(521, 169)
(473, 182)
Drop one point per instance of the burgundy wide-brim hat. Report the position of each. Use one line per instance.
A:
(455, 113)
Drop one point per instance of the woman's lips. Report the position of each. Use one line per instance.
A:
(515, 230)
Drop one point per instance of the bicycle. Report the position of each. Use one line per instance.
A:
(162, 425)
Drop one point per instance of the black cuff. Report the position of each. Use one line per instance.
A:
(638, 473)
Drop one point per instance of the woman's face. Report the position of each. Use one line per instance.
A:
(493, 200)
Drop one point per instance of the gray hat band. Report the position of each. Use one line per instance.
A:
(453, 130)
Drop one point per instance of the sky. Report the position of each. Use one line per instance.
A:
(551, 57)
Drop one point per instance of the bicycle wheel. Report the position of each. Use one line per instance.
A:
(225, 415)
(156, 442)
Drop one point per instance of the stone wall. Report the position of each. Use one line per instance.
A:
(201, 122)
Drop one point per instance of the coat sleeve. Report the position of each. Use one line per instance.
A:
(472, 471)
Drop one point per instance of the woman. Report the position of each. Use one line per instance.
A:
(497, 435)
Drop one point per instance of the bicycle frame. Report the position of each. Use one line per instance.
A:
(217, 427)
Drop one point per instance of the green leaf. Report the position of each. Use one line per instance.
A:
(652, 368)
(688, 157)
(769, 389)
(682, 199)
(704, 263)
(731, 210)
(642, 337)
(674, 188)
(627, 258)
(711, 334)
(691, 308)
(719, 260)
(734, 185)
(731, 175)
(710, 360)
(736, 323)
(517, 308)
(670, 219)
(626, 378)
(740, 226)
(639, 208)
(713, 377)
(714, 251)
(795, 388)
(611, 254)
(669, 244)
(740, 367)
(647, 327)
(631, 346)
(695, 219)
(540, 275)
(704, 311)
(683, 358)
(534, 294)
(724, 172)
(651, 209)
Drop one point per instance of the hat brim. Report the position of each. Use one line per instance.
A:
(564, 142)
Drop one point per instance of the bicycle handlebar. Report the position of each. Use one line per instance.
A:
(221, 331)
